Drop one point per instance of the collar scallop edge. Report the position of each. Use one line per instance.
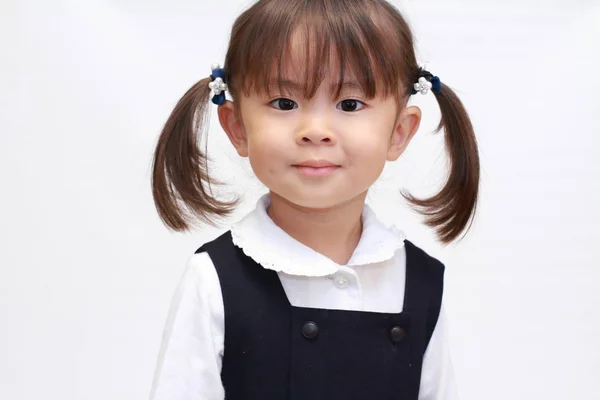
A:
(253, 246)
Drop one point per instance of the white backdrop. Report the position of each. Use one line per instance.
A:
(87, 270)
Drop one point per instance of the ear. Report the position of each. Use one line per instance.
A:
(406, 126)
(233, 127)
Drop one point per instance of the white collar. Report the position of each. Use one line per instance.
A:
(270, 246)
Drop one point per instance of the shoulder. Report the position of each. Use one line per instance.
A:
(426, 263)
(200, 277)
(210, 263)
(225, 239)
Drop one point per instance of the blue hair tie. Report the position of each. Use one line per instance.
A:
(436, 84)
(218, 84)
(427, 82)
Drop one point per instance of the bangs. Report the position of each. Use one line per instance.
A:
(307, 41)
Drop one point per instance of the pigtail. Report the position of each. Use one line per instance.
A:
(181, 184)
(451, 210)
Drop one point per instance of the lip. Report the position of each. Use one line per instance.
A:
(316, 164)
(316, 167)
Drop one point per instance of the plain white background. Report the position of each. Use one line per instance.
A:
(87, 270)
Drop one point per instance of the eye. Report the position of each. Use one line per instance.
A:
(283, 104)
(350, 105)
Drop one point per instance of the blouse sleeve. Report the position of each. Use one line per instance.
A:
(437, 377)
(190, 358)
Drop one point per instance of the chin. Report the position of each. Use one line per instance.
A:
(315, 200)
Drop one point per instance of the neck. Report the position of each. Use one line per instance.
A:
(334, 232)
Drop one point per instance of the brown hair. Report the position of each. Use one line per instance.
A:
(368, 37)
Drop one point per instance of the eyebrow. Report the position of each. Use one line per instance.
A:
(297, 87)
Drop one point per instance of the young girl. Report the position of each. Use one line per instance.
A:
(310, 296)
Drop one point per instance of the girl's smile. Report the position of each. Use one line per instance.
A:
(316, 168)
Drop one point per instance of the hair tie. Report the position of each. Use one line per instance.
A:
(218, 84)
(427, 82)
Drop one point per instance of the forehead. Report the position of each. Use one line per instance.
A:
(310, 59)
(303, 66)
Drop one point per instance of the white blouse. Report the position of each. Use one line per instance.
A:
(190, 359)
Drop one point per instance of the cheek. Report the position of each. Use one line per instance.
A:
(259, 136)
(266, 153)
(369, 142)
(266, 143)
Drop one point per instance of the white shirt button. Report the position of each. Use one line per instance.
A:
(341, 281)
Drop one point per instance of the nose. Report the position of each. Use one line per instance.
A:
(316, 136)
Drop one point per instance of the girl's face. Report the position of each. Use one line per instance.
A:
(321, 152)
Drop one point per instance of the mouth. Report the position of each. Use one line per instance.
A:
(316, 167)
